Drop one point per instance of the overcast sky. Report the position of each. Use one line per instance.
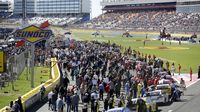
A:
(96, 7)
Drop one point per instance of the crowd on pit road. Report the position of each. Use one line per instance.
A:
(101, 68)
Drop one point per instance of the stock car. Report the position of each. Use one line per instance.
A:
(158, 96)
(165, 87)
(121, 109)
(150, 105)
(68, 33)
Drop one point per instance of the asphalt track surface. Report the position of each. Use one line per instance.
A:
(190, 102)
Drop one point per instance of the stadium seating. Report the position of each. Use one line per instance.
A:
(147, 21)
(55, 20)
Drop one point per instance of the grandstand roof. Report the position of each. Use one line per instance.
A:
(134, 8)
(171, 5)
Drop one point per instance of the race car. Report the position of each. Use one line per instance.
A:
(121, 109)
(68, 33)
(158, 96)
(149, 106)
(165, 87)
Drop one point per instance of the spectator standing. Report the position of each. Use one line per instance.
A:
(173, 69)
(107, 88)
(117, 89)
(11, 106)
(190, 74)
(93, 104)
(42, 92)
(60, 104)
(50, 99)
(179, 69)
(75, 101)
(127, 88)
(20, 104)
(139, 88)
(68, 102)
(101, 90)
(199, 73)
(106, 103)
(16, 107)
(167, 65)
(53, 101)
(111, 102)
(182, 83)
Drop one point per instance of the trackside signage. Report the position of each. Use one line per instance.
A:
(33, 34)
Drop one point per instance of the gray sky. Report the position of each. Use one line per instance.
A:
(96, 8)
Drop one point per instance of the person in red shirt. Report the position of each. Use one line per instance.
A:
(107, 88)
(190, 74)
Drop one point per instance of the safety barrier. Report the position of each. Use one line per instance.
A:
(33, 96)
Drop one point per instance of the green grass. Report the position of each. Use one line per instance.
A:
(22, 86)
(187, 58)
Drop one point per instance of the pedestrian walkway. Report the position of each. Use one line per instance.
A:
(186, 77)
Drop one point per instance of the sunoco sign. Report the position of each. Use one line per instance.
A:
(33, 34)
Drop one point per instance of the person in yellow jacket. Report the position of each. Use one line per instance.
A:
(139, 87)
(97, 104)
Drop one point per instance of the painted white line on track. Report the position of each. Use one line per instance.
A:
(176, 79)
(170, 111)
(193, 83)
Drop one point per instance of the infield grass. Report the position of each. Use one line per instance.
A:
(189, 57)
(22, 85)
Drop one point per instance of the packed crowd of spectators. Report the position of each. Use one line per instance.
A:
(42, 54)
(10, 48)
(55, 20)
(147, 20)
(99, 69)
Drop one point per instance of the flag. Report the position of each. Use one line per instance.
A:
(45, 24)
(20, 43)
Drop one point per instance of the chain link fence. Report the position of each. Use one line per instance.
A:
(17, 63)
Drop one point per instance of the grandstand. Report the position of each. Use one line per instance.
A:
(149, 15)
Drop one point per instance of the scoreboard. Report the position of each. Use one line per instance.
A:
(2, 61)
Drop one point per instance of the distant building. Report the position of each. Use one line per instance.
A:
(53, 7)
(30, 7)
(188, 6)
(5, 9)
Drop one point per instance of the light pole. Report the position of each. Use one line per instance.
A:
(27, 62)
(32, 64)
